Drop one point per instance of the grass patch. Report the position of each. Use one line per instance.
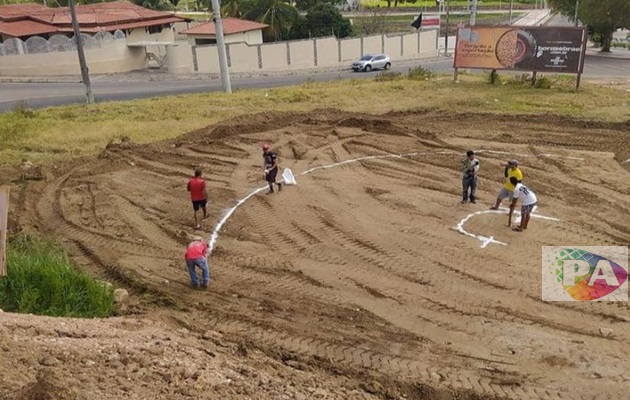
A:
(419, 73)
(388, 76)
(41, 281)
(58, 133)
(453, 3)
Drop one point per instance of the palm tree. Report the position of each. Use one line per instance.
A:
(278, 14)
(233, 8)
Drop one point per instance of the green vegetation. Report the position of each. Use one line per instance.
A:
(419, 74)
(41, 281)
(432, 4)
(54, 134)
(381, 22)
(603, 17)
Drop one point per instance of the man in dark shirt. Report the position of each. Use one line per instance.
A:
(270, 167)
(198, 195)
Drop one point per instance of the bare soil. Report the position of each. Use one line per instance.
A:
(351, 285)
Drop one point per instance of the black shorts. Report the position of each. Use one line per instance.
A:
(199, 203)
(271, 175)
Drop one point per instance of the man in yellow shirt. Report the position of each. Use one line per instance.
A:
(507, 191)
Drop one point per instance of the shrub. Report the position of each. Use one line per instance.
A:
(543, 83)
(40, 280)
(388, 76)
(494, 77)
(419, 73)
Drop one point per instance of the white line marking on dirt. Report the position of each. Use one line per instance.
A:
(485, 240)
(627, 161)
(228, 214)
(529, 155)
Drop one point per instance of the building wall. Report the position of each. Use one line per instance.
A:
(114, 58)
(306, 54)
(142, 35)
(251, 37)
(180, 59)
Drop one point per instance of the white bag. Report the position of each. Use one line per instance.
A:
(288, 177)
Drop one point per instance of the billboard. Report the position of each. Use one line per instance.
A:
(544, 49)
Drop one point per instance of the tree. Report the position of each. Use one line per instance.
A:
(373, 21)
(234, 8)
(603, 17)
(278, 14)
(325, 20)
(305, 5)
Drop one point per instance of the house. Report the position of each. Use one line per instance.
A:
(138, 23)
(234, 31)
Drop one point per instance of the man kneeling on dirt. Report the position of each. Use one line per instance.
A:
(196, 257)
(528, 199)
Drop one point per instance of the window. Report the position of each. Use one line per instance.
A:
(202, 42)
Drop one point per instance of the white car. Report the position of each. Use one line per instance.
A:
(372, 61)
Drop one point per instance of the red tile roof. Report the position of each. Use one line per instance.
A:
(25, 28)
(230, 26)
(91, 17)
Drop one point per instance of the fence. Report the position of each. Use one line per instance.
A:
(300, 54)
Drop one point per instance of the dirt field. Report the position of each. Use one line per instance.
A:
(352, 284)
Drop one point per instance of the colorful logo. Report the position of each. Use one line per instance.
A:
(585, 273)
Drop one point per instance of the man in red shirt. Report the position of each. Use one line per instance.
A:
(198, 195)
(196, 257)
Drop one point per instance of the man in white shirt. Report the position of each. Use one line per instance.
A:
(528, 201)
(470, 169)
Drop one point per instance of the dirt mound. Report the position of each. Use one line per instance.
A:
(358, 268)
(47, 386)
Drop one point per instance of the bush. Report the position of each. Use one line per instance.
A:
(40, 280)
(543, 83)
(494, 77)
(419, 73)
(388, 76)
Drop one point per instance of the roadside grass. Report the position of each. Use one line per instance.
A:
(402, 23)
(40, 280)
(53, 134)
(504, 4)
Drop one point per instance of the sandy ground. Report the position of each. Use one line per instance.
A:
(352, 284)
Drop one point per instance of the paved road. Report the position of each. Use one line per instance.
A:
(38, 95)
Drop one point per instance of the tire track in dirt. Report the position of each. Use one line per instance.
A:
(52, 216)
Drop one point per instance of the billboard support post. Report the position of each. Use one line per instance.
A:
(534, 78)
(577, 81)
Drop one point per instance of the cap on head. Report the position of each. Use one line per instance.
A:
(513, 162)
(470, 153)
(266, 146)
(197, 238)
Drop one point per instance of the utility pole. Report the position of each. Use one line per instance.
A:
(448, 7)
(218, 27)
(473, 13)
(85, 73)
(577, 5)
(511, 7)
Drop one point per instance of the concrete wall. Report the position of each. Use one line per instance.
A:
(242, 57)
(114, 58)
(327, 52)
(180, 59)
(251, 37)
(142, 35)
(305, 54)
(274, 56)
